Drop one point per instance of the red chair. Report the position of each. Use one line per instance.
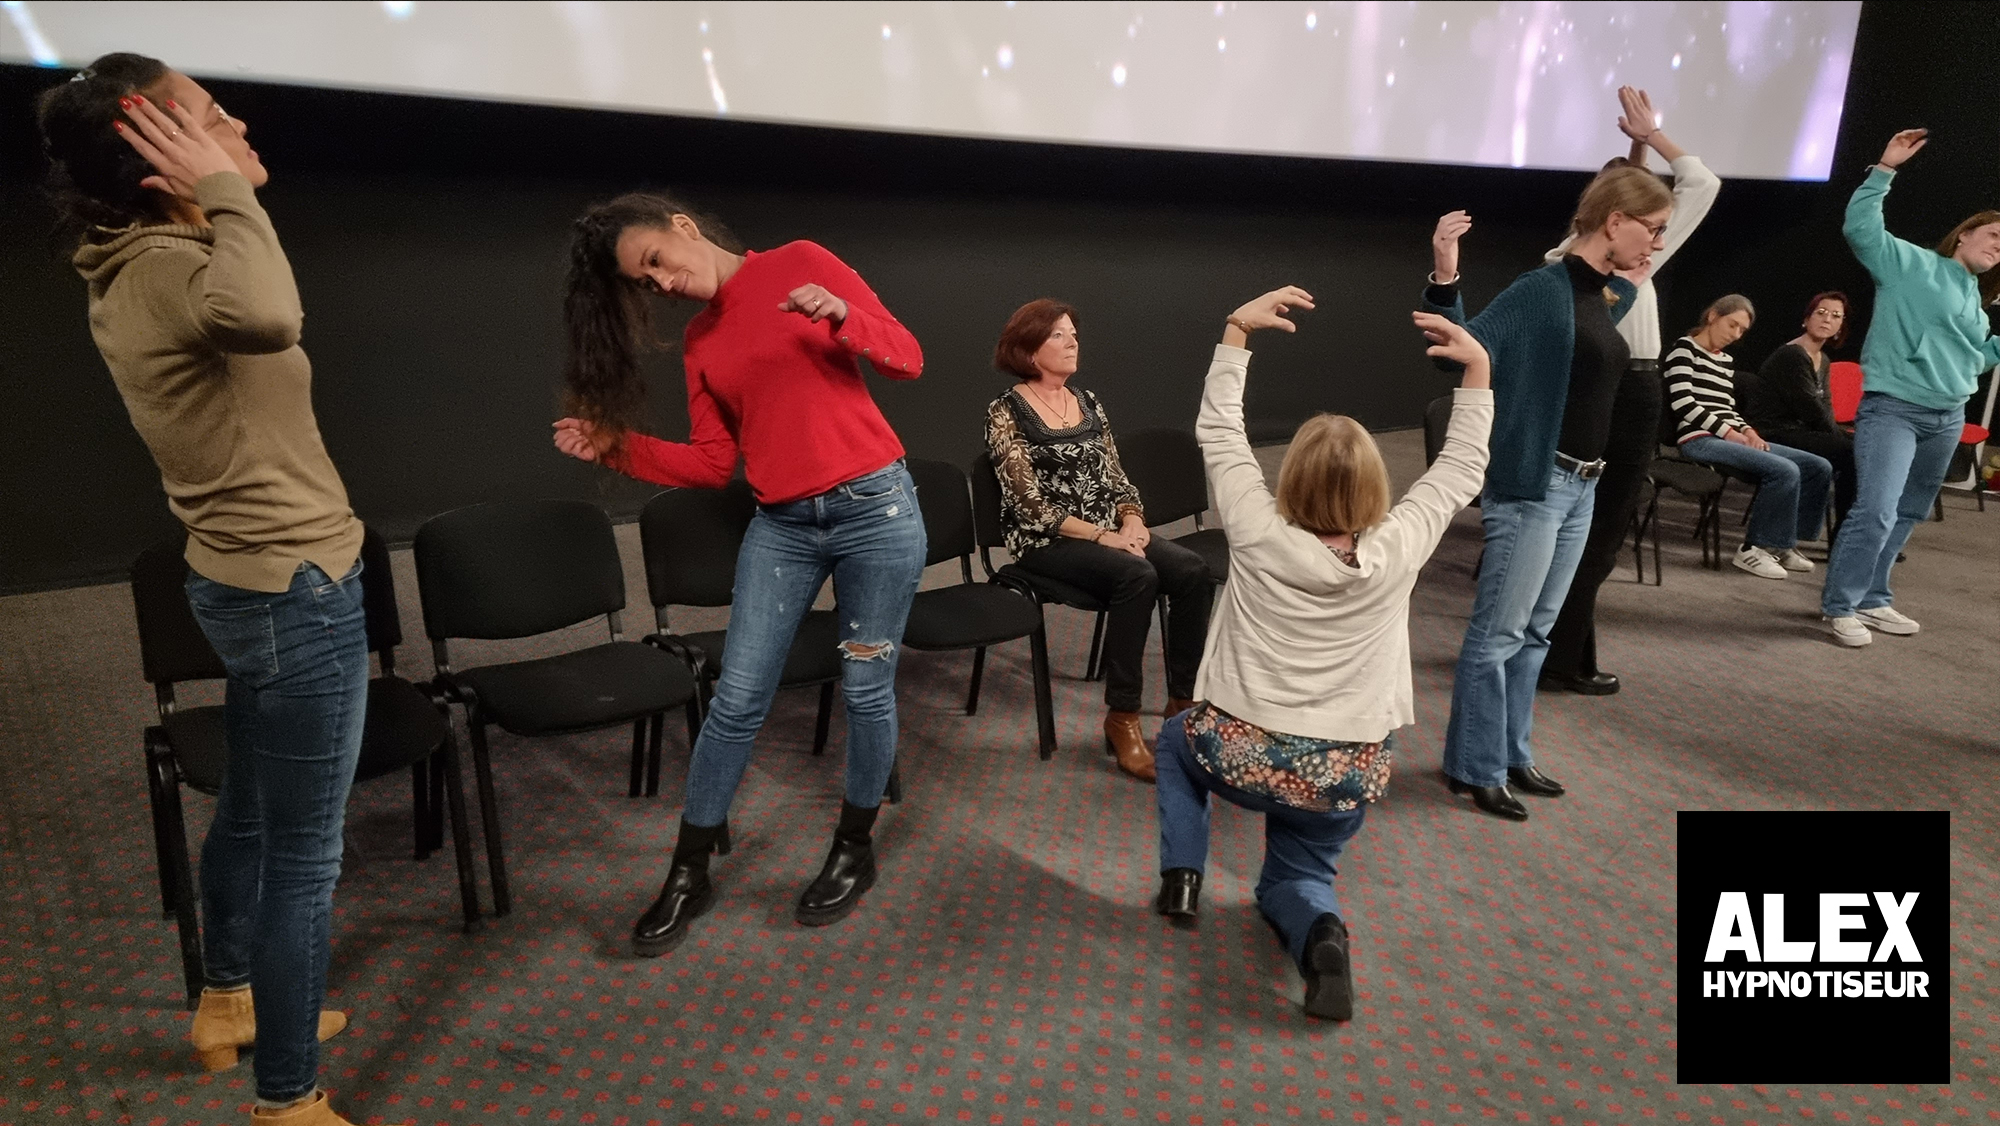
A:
(1843, 384)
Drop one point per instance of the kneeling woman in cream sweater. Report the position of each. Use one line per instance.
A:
(1307, 669)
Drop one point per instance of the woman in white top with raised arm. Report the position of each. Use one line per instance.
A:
(1307, 669)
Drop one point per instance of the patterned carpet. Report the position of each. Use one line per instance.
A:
(1008, 968)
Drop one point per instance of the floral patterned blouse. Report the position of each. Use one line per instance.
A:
(1047, 474)
(1312, 774)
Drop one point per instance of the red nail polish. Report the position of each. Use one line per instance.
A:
(118, 125)
(171, 104)
(125, 103)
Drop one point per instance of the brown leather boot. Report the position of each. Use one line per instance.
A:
(1124, 740)
(226, 1022)
(1176, 705)
(316, 1111)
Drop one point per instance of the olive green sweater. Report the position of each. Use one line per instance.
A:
(200, 328)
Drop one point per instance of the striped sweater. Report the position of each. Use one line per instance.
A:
(1701, 392)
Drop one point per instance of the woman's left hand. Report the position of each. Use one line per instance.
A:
(816, 302)
(1134, 529)
(1269, 310)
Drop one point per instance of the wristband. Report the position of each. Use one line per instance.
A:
(1240, 326)
(1432, 278)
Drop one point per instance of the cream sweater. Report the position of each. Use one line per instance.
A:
(200, 328)
(1301, 643)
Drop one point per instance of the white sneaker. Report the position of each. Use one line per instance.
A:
(1758, 562)
(1888, 620)
(1791, 560)
(1850, 632)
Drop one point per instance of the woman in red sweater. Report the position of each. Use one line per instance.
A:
(772, 376)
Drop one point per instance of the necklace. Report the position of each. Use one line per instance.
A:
(1061, 412)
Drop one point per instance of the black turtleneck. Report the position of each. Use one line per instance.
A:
(1596, 365)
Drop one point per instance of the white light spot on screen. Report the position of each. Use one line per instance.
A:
(704, 27)
(1222, 45)
(1444, 25)
(1005, 57)
(1312, 20)
(1218, 8)
(1118, 75)
(1659, 120)
(1677, 62)
(885, 31)
(985, 72)
(1390, 81)
(714, 82)
(399, 9)
(1131, 31)
(39, 48)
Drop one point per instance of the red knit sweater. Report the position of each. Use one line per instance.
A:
(784, 392)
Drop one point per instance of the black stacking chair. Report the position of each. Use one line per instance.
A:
(1165, 466)
(405, 727)
(691, 537)
(987, 536)
(516, 569)
(970, 615)
(1696, 482)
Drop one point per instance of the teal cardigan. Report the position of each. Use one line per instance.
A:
(1928, 340)
(1530, 333)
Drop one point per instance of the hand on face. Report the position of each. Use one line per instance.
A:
(816, 302)
(183, 152)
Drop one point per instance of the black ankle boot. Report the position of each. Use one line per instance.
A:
(849, 871)
(1180, 894)
(687, 892)
(1329, 984)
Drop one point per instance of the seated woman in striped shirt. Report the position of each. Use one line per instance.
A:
(1791, 483)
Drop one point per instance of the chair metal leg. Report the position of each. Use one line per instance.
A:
(157, 803)
(638, 779)
(489, 816)
(656, 732)
(175, 860)
(1045, 709)
(420, 808)
(825, 720)
(461, 833)
(1166, 666)
(1092, 668)
(978, 670)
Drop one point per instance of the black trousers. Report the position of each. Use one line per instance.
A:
(1837, 449)
(1132, 586)
(1634, 442)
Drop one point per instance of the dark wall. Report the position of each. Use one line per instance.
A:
(429, 238)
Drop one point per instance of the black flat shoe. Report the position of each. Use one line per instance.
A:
(1329, 985)
(848, 874)
(1180, 894)
(686, 894)
(1595, 684)
(1529, 780)
(1496, 800)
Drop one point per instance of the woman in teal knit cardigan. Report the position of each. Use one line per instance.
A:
(1927, 343)
(1557, 360)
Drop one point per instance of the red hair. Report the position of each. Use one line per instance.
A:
(1846, 306)
(1027, 330)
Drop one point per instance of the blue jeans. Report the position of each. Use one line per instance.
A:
(1532, 548)
(293, 708)
(1791, 488)
(1901, 453)
(869, 534)
(1300, 846)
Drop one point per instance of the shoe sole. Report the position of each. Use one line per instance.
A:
(1458, 787)
(826, 916)
(1853, 641)
(1753, 571)
(653, 948)
(1330, 989)
(1890, 628)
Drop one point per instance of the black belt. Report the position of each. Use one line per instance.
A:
(1584, 469)
(1651, 367)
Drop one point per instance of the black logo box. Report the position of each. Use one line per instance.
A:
(1815, 1039)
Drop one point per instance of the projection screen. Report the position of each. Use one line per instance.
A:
(1756, 88)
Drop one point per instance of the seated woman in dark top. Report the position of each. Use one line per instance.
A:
(1070, 514)
(1794, 406)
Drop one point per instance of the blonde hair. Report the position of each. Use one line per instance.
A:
(1333, 480)
(1628, 190)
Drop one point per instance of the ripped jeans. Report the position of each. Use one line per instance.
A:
(869, 534)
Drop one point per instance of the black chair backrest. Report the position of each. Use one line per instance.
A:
(947, 509)
(378, 596)
(517, 568)
(1750, 399)
(986, 503)
(1165, 466)
(1670, 419)
(691, 537)
(1437, 419)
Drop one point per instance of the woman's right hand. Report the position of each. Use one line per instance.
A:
(1903, 146)
(1450, 340)
(1269, 310)
(1444, 246)
(171, 141)
(579, 439)
(1119, 542)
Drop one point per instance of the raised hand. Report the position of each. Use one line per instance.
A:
(1269, 310)
(1444, 246)
(579, 439)
(1903, 146)
(1638, 121)
(1449, 339)
(816, 302)
(181, 151)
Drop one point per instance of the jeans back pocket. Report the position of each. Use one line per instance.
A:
(245, 637)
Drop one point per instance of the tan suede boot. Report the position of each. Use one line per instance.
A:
(1176, 705)
(1124, 740)
(316, 1111)
(226, 1023)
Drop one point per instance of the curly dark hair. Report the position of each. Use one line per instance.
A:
(93, 178)
(607, 313)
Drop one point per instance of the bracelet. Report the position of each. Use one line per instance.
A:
(1099, 537)
(1432, 277)
(1240, 326)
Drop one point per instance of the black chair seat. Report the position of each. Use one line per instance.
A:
(1053, 590)
(201, 747)
(616, 682)
(967, 616)
(815, 655)
(403, 726)
(1212, 544)
(1686, 477)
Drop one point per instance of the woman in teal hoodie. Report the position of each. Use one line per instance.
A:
(1927, 344)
